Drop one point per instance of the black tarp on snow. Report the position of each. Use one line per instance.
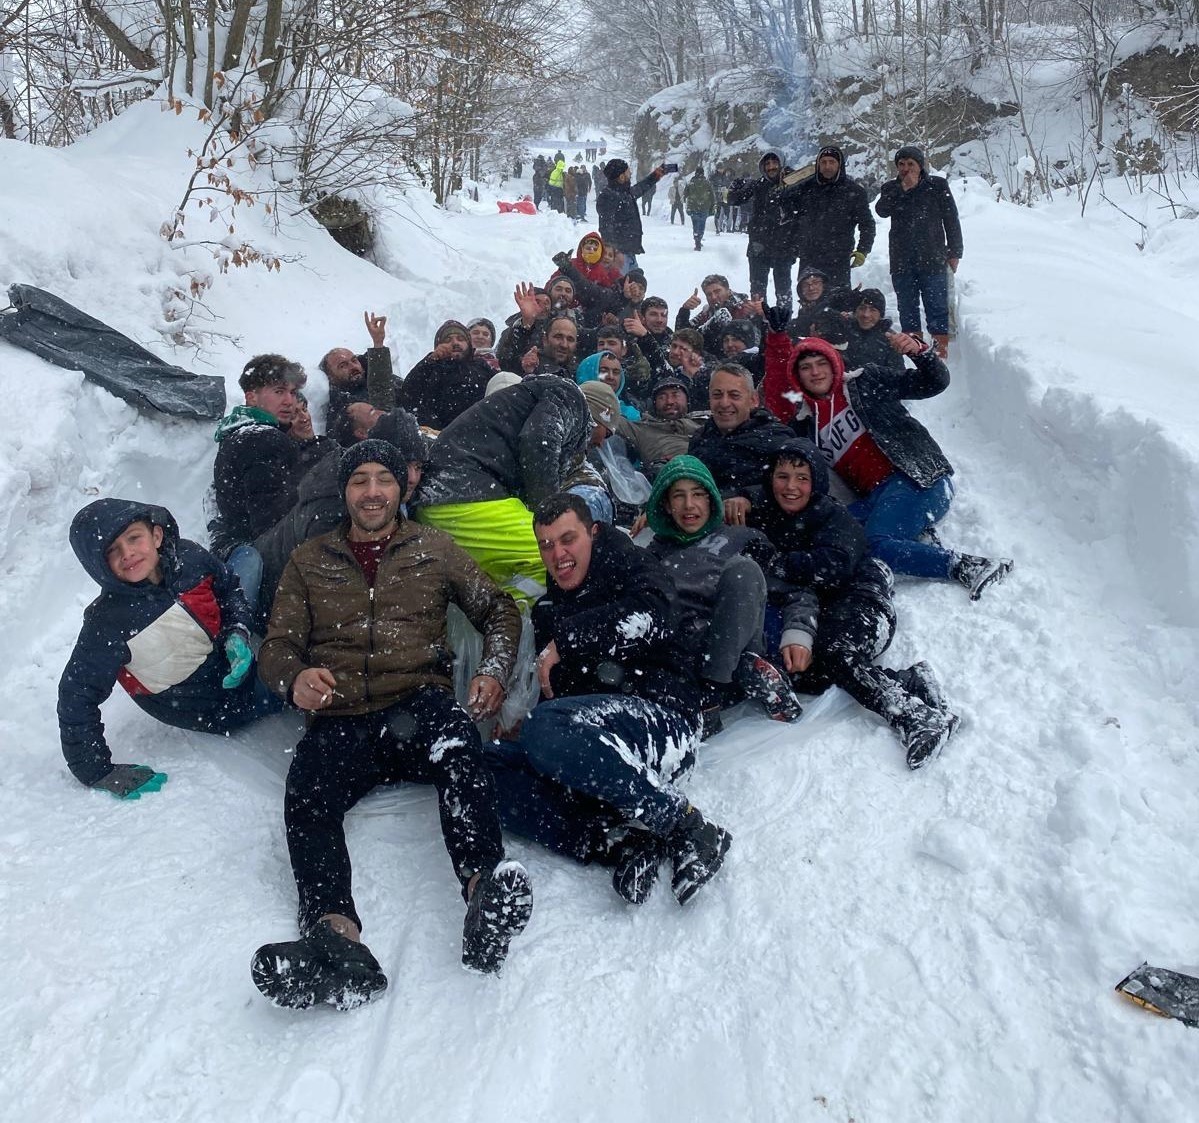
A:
(59, 333)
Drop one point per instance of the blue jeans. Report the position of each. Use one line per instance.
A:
(933, 285)
(698, 223)
(581, 206)
(760, 268)
(246, 564)
(895, 514)
(609, 757)
(630, 262)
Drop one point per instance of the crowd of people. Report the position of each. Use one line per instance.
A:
(673, 521)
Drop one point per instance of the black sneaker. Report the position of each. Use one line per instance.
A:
(765, 683)
(639, 854)
(697, 849)
(498, 909)
(979, 574)
(320, 968)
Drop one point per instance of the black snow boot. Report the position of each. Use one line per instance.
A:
(638, 856)
(920, 680)
(978, 574)
(764, 682)
(697, 849)
(498, 909)
(320, 968)
(923, 731)
(699, 245)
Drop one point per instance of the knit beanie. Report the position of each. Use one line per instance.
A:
(400, 428)
(371, 451)
(601, 401)
(615, 168)
(449, 328)
(637, 275)
(875, 298)
(910, 152)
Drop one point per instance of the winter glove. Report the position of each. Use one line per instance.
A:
(561, 260)
(777, 317)
(857, 260)
(130, 781)
(721, 316)
(240, 657)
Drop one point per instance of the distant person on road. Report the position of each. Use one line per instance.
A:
(701, 203)
(925, 241)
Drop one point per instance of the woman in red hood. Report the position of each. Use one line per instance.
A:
(886, 457)
(588, 260)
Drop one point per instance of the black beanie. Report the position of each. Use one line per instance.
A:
(875, 298)
(615, 168)
(637, 276)
(400, 428)
(372, 452)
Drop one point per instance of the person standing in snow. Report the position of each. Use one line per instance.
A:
(583, 184)
(822, 548)
(357, 640)
(616, 206)
(555, 184)
(886, 457)
(771, 248)
(925, 241)
(829, 207)
(170, 625)
(600, 756)
(448, 380)
(701, 202)
(360, 378)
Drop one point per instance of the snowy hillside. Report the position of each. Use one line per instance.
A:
(881, 946)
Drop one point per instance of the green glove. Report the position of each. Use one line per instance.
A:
(857, 260)
(130, 781)
(241, 659)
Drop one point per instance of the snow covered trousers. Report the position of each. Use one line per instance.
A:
(587, 763)
(425, 738)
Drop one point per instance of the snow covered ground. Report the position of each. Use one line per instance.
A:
(881, 946)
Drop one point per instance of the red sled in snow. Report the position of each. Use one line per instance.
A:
(521, 206)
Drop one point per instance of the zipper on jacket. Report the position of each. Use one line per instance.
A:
(370, 636)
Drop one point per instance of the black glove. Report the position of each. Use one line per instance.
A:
(561, 260)
(777, 317)
(130, 781)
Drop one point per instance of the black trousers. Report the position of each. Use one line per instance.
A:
(425, 738)
(854, 630)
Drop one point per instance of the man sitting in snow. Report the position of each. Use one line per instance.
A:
(359, 378)
(170, 625)
(724, 305)
(499, 459)
(448, 380)
(650, 330)
(665, 431)
(736, 442)
(619, 723)
(358, 640)
(540, 346)
(257, 466)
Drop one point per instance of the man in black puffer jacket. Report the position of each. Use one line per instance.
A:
(925, 241)
(822, 548)
(619, 723)
(828, 208)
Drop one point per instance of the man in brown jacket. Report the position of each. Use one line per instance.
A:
(358, 640)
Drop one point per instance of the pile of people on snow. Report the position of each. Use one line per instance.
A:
(666, 522)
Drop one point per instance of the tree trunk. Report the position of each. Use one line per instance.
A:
(235, 41)
(138, 58)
